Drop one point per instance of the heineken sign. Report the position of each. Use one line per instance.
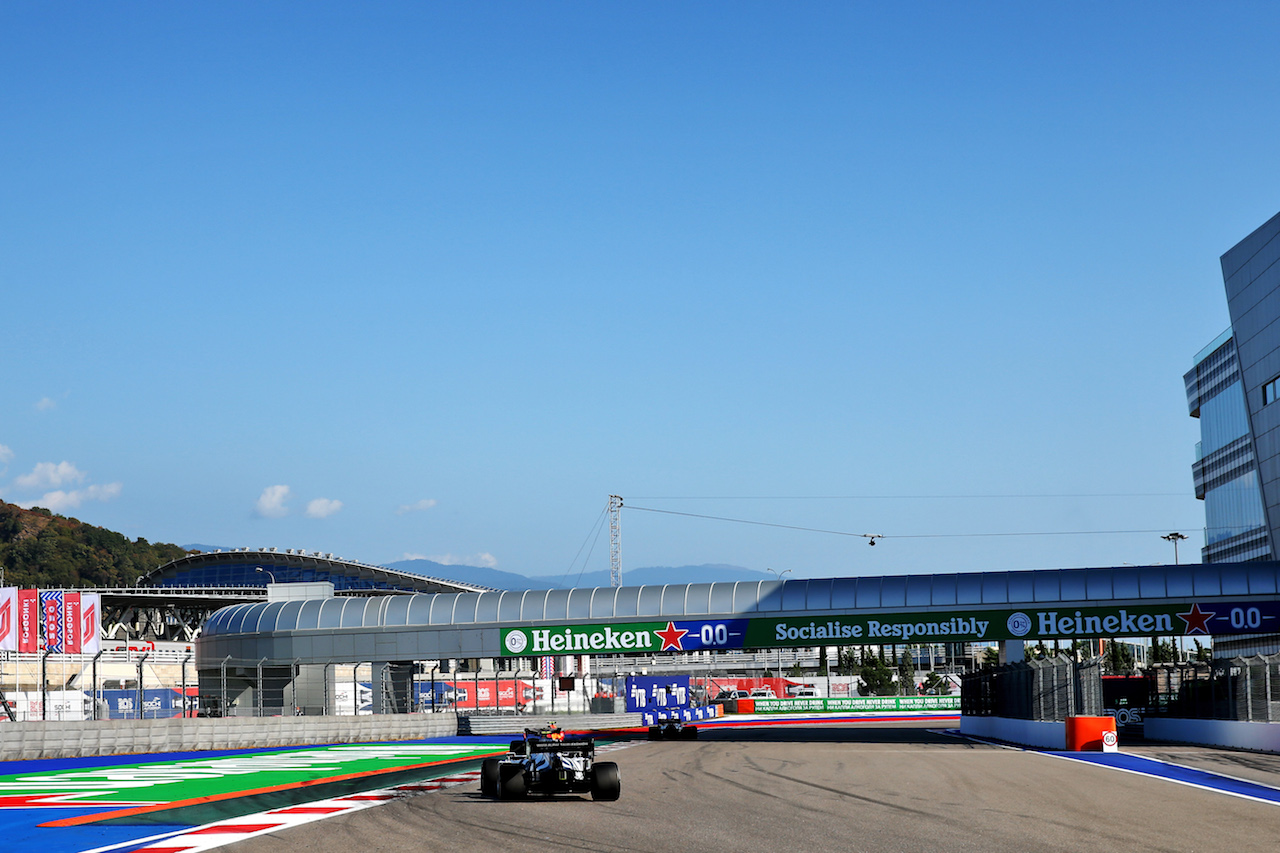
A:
(895, 628)
(666, 636)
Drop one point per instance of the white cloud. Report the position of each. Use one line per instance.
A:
(484, 559)
(6, 456)
(271, 502)
(420, 506)
(60, 501)
(44, 404)
(323, 507)
(47, 475)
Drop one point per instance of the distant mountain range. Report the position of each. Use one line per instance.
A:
(480, 576)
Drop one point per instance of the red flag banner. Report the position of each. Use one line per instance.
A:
(90, 622)
(28, 621)
(71, 623)
(9, 619)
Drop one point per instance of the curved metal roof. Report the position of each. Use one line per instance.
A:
(468, 623)
(238, 567)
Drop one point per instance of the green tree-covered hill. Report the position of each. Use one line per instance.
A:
(40, 549)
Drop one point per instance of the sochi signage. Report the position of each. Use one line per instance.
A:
(69, 622)
(883, 629)
(51, 611)
(9, 619)
(28, 621)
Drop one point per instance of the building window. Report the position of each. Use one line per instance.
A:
(1270, 391)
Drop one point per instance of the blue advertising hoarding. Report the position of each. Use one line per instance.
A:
(657, 692)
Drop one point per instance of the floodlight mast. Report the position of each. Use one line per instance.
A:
(615, 541)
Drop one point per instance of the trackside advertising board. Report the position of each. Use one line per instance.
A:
(854, 704)
(857, 628)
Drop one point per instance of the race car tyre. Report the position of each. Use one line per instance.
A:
(489, 777)
(655, 733)
(511, 782)
(605, 782)
(517, 746)
(690, 733)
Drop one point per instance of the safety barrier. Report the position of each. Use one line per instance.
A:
(1244, 689)
(1040, 690)
(75, 739)
(487, 725)
(1091, 734)
(858, 704)
(688, 715)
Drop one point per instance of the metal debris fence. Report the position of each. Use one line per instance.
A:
(1243, 689)
(1047, 689)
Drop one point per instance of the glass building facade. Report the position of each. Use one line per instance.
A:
(1225, 469)
(1251, 273)
(1234, 389)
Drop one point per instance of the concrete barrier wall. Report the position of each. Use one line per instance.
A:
(75, 739)
(1262, 737)
(1043, 735)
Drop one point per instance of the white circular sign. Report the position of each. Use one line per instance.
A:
(1109, 739)
(1019, 624)
(516, 641)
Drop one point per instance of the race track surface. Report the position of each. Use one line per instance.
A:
(846, 787)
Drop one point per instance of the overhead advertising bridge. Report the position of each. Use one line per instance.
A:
(392, 632)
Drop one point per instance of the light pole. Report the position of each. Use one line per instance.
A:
(268, 572)
(779, 577)
(1175, 538)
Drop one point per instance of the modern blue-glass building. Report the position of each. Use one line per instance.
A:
(1234, 389)
(1225, 468)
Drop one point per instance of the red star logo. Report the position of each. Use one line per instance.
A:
(1196, 619)
(671, 637)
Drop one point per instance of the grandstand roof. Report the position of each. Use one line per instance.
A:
(245, 567)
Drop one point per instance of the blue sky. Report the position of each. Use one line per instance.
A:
(415, 279)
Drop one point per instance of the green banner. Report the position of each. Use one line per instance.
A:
(854, 704)
(960, 625)
(600, 639)
(968, 626)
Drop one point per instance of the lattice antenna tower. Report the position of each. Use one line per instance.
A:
(615, 541)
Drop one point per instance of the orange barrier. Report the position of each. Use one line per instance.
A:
(1092, 734)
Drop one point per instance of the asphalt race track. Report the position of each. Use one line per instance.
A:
(846, 787)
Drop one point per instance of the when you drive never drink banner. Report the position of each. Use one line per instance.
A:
(959, 626)
(57, 621)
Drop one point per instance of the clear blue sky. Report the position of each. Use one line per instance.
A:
(435, 279)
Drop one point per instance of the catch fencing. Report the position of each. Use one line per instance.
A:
(1242, 689)
(1042, 690)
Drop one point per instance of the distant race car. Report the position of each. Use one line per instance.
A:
(546, 762)
(675, 729)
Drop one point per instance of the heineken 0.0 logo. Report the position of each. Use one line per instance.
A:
(1019, 624)
(516, 642)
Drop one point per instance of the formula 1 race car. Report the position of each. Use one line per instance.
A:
(546, 762)
(674, 728)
